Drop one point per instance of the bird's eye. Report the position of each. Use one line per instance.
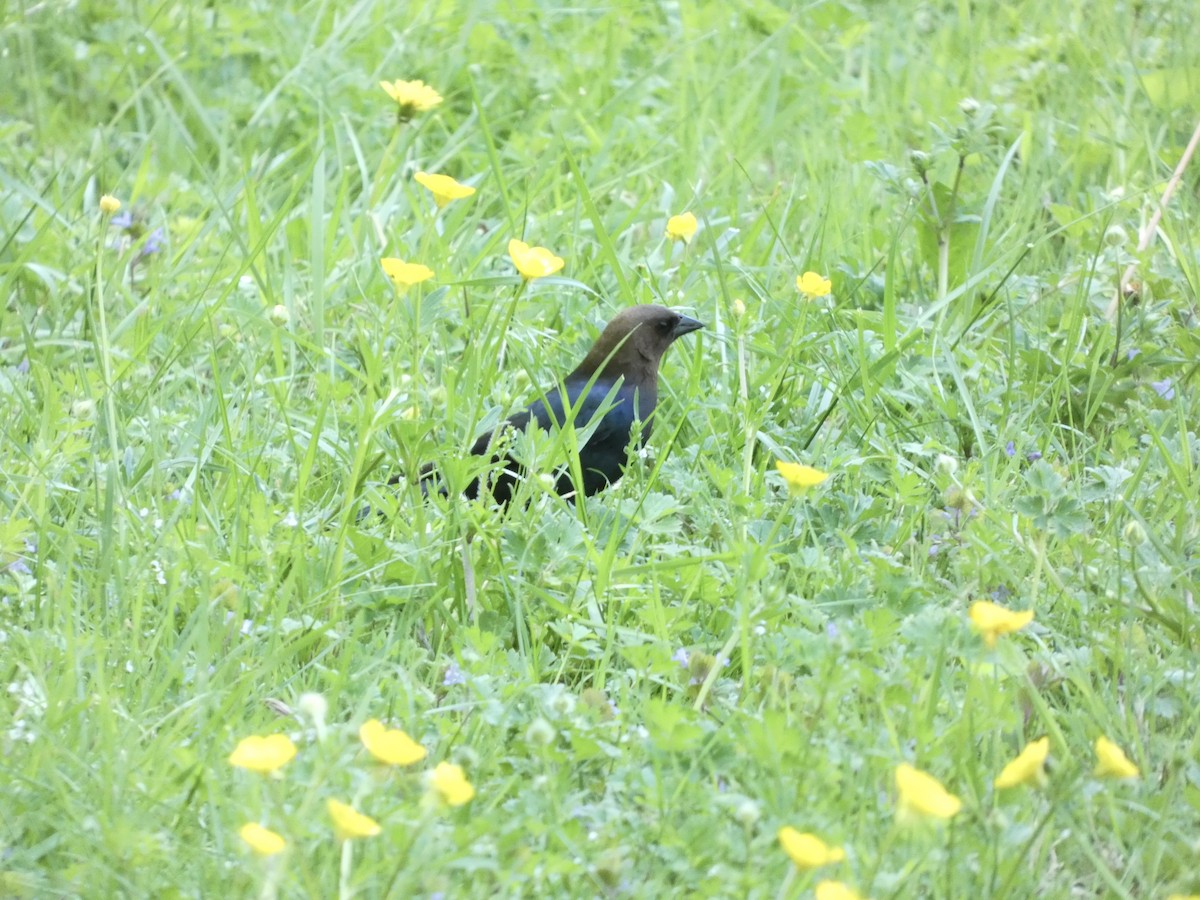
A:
(668, 324)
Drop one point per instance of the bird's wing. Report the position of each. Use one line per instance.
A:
(549, 413)
(605, 406)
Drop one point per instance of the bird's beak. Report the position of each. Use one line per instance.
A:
(685, 325)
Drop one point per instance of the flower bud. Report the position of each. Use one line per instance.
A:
(279, 315)
(1116, 236)
(314, 706)
(747, 812)
(1134, 533)
(946, 464)
(540, 733)
(919, 160)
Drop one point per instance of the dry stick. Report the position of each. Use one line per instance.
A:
(1147, 236)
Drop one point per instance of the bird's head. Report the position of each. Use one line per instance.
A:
(634, 341)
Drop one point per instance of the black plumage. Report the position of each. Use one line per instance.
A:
(619, 374)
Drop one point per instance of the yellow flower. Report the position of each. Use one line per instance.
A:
(1029, 766)
(349, 822)
(1111, 761)
(835, 890)
(808, 851)
(262, 841)
(1183, 896)
(390, 745)
(412, 97)
(992, 620)
(799, 478)
(923, 794)
(451, 784)
(533, 262)
(682, 227)
(443, 187)
(263, 754)
(109, 204)
(813, 285)
(403, 274)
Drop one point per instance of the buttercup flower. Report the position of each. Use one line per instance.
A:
(451, 784)
(404, 274)
(835, 890)
(263, 754)
(799, 478)
(682, 227)
(349, 822)
(1029, 766)
(808, 851)
(992, 620)
(412, 97)
(262, 841)
(443, 187)
(533, 262)
(109, 204)
(924, 795)
(390, 745)
(813, 285)
(1111, 761)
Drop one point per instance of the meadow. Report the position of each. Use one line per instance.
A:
(235, 661)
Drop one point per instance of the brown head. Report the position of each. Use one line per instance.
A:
(633, 344)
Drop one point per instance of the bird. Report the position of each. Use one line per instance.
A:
(618, 378)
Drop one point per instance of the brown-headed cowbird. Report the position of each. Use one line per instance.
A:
(620, 376)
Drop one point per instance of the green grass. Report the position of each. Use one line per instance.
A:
(182, 555)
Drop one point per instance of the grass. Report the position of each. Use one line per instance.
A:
(202, 395)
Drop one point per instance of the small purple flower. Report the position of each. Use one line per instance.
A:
(1001, 593)
(453, 675)
(23, 366)
(680, 656)
(1033, 455)
(1131, 353)
(831, 631)
(1010, 449)
(1163, 389)
(154, 243)
(122, 220)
